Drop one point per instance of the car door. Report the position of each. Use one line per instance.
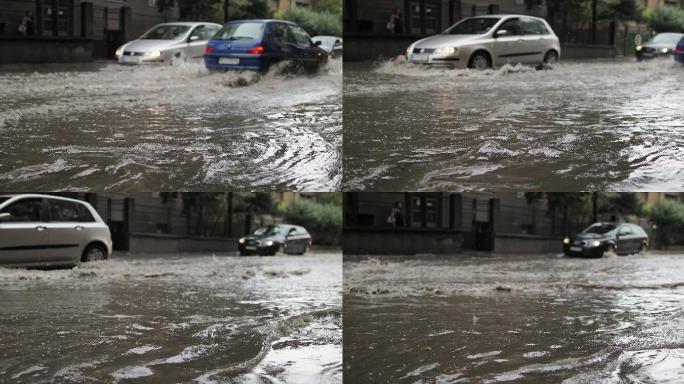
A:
(533, 40)
(625, 240)
(281, 41)
(509, 48)
(68, 235)
(293, 245)
(304, 48)
(197, 41)
(23, 234)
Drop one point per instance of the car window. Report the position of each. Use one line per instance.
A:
(600, 228)
(24, 211)
(542, 27)
(473, 26)
(166, 32)
(279, 33)
(625, 230)
(638, 230)
(268, 231)
(211, 30)
(63, 211)
(200, 32)
(530, 27)
(300, 37)
(241, 31)
(84, 214)
(512, 26)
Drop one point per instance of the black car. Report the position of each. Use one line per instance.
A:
(266, 241)
(601, 238)
(662, 44)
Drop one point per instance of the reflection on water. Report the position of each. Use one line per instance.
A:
(580, 125)
(202, 319)
(169, 128)
(498, 320)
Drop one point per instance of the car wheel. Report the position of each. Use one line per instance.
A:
(610, 251)
(551, 58)
(306, 249)
(480, 61)
(94, 252)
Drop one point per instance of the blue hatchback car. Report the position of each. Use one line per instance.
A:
(257, 44)
(679, 52)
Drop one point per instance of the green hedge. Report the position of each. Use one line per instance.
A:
(315, 23)
(668, 216)
(323, 221)
(666, 19)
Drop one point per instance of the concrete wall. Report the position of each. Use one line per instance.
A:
(586, 51)
(154, 243)
(524, 244)
(400, 241)
(44, 50)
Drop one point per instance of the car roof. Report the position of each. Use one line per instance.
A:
(37, 195)
(188, 23)
(261, 21)
(504, 15)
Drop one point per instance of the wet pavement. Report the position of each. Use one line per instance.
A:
(109, 127)
(197, 319)
(514, 319)
(582, 125)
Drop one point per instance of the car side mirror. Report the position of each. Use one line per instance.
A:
(318, 43)
(501, 33)
(5, 215)
(193, 38)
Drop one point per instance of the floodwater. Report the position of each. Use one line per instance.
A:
(582, 125)
(196, 319)
(514, 319)
(110, 127)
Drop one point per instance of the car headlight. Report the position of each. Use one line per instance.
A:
(153, 54)
(664, 50)
(119, 52)
(639, 48)
(446, 51)
(408, 50)
(242, 240)
(595, 243)
(269, 243)
(566, 240)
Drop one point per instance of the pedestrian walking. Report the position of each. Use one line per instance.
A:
(396, 218)
(395, 25)
(26, 26)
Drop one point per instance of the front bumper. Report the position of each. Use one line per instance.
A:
(641, 55)
(438, 60)
(583, 251)
(257, 249)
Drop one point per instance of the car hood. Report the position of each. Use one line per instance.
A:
(150, 45)
(438, 41)
(660, 45)
(590, 236)
(259, 237)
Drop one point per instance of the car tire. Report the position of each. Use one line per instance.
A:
(94, 252)
(480, 61)
(551, 58)
(610, 251)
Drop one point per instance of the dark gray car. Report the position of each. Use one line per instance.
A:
(661, 45)
(602, 238)
(268, 240)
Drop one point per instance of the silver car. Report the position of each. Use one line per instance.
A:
(40, 230)
(168, 43)
(330, 44)
(489, 41)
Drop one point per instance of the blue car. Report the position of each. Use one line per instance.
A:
(257, 44)
(679, 52)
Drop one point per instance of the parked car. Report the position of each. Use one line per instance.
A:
(168, 43)
(39, 230)
(489, 41)
(331, 44)
(602, 238)
(257, 44)
(266, 241)
(661, 45)
(679, 52)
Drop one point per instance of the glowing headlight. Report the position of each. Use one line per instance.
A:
(639, 47)
(269, 243)
(664, 50)
(408, 50)
(153, 54)
(446, 51)
(566, 240)
(119, 52)
(595, 243)
(242, 240)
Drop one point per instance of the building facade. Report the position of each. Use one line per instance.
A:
(284, 5)
(655, 4)
(95, 26)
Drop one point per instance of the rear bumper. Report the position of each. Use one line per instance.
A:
(679, 58)
(247, 62)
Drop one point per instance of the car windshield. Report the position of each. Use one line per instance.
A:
(166, 32)
(600, 229)
(241, 31)
(666, 38)
(473, 26)
(268, 231)
(326, 41)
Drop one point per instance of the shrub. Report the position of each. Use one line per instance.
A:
(666, 19)
(668, 216)
(315, 23)
(323, 221)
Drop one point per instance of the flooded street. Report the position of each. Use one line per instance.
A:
(197, 319)
(109, 127)
(514, 319)
(582, 125)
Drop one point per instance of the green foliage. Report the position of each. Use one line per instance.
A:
(666, 19)
(323, 220)
(668, 216)
(249, 9)
(331, 6)
(315, 23)
(621, 10)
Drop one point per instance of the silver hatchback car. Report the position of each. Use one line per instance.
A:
(489, 41)
(41, 230)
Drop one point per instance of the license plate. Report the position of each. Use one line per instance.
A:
(576, 249)
(250, 248)
(420, 57)
(229, 61)
(131, 59)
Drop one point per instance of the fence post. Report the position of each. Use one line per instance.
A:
(128, 213)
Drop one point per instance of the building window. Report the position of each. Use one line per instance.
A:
(429, 209)
(432, 24)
